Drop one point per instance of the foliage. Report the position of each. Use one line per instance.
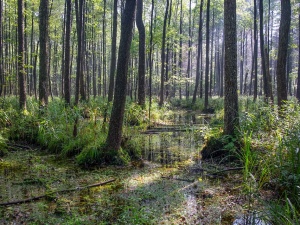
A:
(271, 152)
(283, 213)
(3, 146)
(135, 115)
(223, 147)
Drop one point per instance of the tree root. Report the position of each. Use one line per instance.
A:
(55, 192)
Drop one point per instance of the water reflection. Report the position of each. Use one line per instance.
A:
(173, 143)
(250, 219)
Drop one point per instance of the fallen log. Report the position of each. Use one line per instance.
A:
(18, 146)
(179, 179)
(224, 171)
(55, 192)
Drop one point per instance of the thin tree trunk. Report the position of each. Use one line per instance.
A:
(67, 80)
(21, 66)
(142, 53)
(187, 86)
(1, 51)
(207, 57)
(180, 48)
(298, 79)
(262, 51)
(284, 31)
(199, 54)
(151, 59)
(255, 52)
(113, 52)
(163, 55)
(104, 47)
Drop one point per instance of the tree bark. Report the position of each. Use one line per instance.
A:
(255, 52)
(21, 66)
(151, 58)
(67, 80)
(206, 85)
(114, 137)
(180, 47)
(113, 53)
(44, 52)
(284, 31)
(163, 56)
(1, 51)
(262, 51)
(79, 71)
(104, 47)
(199, 53)
(298, 79)
(142, 52)
(231, 121)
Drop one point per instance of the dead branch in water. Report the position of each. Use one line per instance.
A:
(55, 192)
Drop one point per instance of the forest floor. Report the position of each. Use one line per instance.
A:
(147, 193)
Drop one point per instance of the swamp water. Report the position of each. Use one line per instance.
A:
(167, 190)
(174, 142)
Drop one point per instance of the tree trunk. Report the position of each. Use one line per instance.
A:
(255, 52)
(163, 55)
(298, 79)
(188, 71)
(1, 51)
(114, 137)
(231, 121)
(199, 54)
(151, 58)
(44, 52)
(262, 50)
(104, 48)
(67, 80)
(142, 52)
(79, 70)
(207, 57)
(21, 66)
(180, 48)
(284, 31)
(113, 53)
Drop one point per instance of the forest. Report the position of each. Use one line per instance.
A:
(150, 112)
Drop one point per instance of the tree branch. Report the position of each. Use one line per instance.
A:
(55, 192)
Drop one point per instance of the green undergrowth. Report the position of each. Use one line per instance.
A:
(53, 128)
(267, 146)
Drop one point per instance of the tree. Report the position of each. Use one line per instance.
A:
(206, 85)
(255, 51)
(1, 51)
(21, 67)
(44, 52)
(284, 30)
(67, 91)
(79, 4)
(199, 53)
(114, 137)
(113, 52)
(163, 56)
(231, 121)
(142, 40)
(298, 80)
(264, 56)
